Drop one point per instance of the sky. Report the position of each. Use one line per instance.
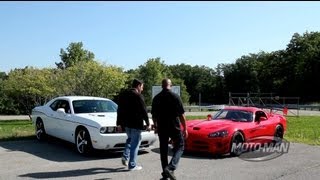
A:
(128, 33)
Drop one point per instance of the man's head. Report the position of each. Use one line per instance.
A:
(138, 85)
(166, 83)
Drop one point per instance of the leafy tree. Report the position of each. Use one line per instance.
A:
(303, 56)
(73, 55)
(221, 94)
(28, 87)
(152, 73)
(198, 80)
(3, 75)
(91, 79)
(5, 106)
(242, 76)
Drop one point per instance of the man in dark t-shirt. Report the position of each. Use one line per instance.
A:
(167, 113)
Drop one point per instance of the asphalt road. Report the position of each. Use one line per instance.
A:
(55, 159)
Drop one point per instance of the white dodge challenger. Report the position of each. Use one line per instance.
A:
(88, 122)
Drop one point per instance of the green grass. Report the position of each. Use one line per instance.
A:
(16, 130)
(196, 117)
(303, 129)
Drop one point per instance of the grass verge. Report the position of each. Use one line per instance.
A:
(303, 129)
(16, 130)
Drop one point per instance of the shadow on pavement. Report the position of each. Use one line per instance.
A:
(73, 173)
(195, 155)
(57, 150)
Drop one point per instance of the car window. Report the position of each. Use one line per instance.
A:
(54, 106)
(234, 115)
(61, 104)
(65, 105)
(260, 114)
(94, 106)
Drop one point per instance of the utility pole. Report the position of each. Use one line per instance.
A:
(200, 101)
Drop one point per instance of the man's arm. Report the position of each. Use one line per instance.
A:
(182, 117)
(153, 112)
(155, 124)
(183, 122)
(120, 123)
(144, 111)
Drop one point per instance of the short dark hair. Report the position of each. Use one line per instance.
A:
(136, 83)
(165, 82)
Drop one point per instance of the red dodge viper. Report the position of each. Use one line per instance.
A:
(233, 125)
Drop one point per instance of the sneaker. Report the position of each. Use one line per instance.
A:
(164, 176)
(124, 161)
(170, 173)
(136, 168)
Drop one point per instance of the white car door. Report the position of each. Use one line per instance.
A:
(64, 121)
(50, 122)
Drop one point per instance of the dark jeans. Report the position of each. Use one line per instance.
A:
(178, 147)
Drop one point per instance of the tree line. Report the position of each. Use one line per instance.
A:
(291, 72)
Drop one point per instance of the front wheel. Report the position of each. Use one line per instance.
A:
(236, 144)
(83, 141)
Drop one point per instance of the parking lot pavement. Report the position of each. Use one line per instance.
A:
(30, 159)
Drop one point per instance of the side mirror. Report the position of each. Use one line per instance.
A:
(61, 110)
(262, 118)
(209, 117)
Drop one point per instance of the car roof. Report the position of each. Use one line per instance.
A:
(244, 108)
(72, 98)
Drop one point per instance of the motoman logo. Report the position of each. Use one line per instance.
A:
(261, 148)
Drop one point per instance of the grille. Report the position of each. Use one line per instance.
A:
(200, 144)
(122, 145)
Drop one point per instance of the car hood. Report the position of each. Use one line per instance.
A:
(104, 119)
(209, 125)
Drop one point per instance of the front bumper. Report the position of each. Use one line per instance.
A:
(116, 141)
(201, 143)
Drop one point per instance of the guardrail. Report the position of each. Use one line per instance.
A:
(199, 108)
(218, 107)
(291, 107)
(309, 107)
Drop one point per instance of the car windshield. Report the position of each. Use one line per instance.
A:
(94, 106)
(234, 115)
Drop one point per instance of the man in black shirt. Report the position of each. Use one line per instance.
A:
(131, 113)
(167, 113)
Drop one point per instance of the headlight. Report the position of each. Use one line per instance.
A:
(222, 133)
(104, 130)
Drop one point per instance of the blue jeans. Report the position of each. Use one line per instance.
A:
(178, 148)
(132, 146)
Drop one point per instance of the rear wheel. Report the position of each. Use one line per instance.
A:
(40, 131)
(83, 141)
(236, 144)
(278, 135)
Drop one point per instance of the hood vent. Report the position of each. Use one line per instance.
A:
(196, 128)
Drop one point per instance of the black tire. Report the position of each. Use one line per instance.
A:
(83, 142)
(237, 138)
(278, 134)
(40, 131)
